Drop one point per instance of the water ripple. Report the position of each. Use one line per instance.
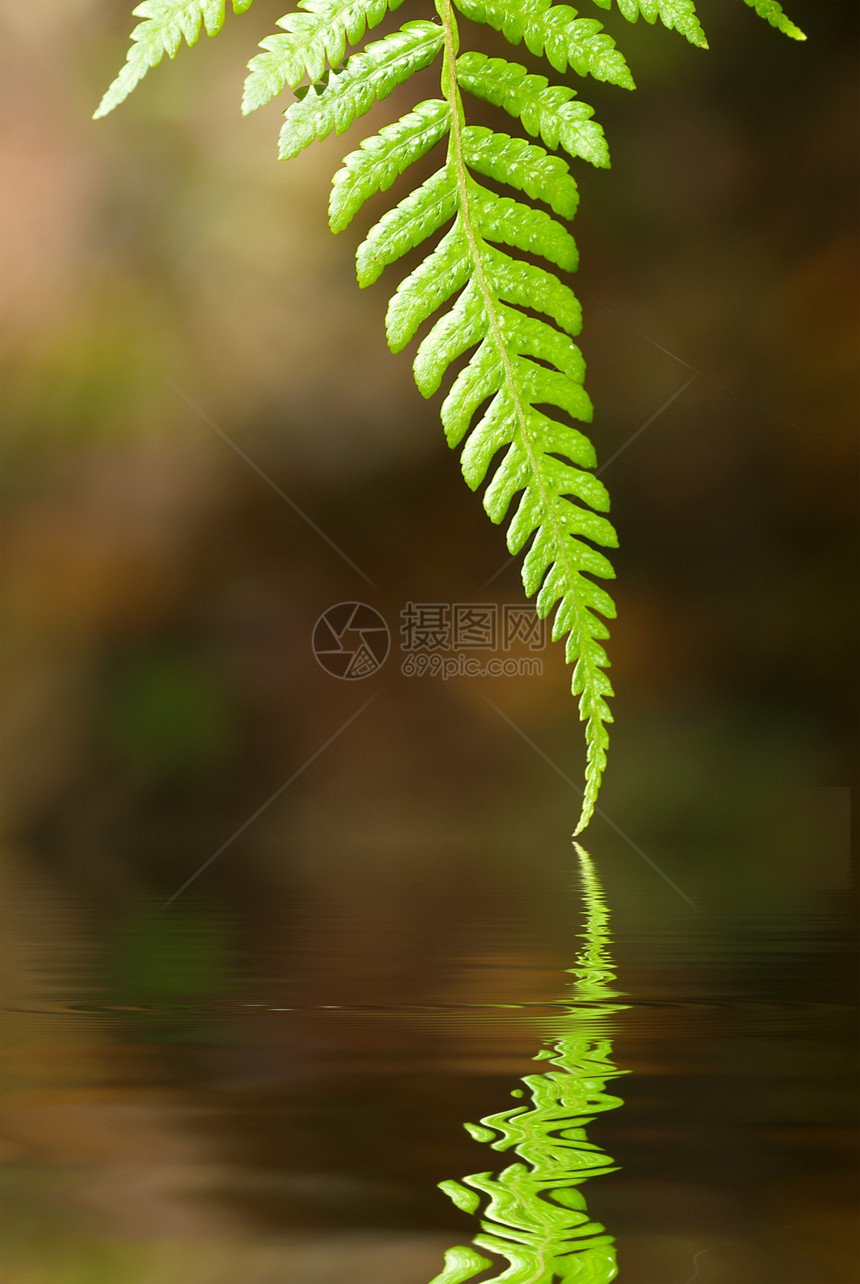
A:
(535, 1216)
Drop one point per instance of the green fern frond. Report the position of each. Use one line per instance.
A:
(508, 323)
(315, 39)
(773, 13)
(556, 32)
(561, 504)
(676, 15)
(165, 23)
(545, 111)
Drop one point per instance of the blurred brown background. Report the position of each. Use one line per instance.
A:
(159, 596)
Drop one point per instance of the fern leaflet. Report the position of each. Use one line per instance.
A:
(677, 15)
(523, 165)
(165, 23)
(545, 111)
(367, 76)
(317, 37)
(773, 13)
(506, 323)
(384, 157)
(557, 32)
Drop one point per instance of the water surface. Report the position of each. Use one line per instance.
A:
(275, 1089)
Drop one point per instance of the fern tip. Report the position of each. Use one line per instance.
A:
(106, 105)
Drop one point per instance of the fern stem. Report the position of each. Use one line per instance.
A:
(451, 90)
(456, 160)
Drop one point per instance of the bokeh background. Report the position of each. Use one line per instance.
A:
(159, 596)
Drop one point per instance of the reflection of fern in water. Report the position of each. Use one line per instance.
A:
(536, 1216)
(523, 381)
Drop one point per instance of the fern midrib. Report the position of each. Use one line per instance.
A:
(475, 240)
(454, 99)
